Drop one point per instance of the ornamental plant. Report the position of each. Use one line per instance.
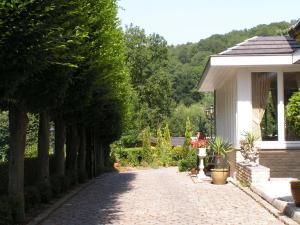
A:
(293, 112)
(199, 143)
(248, 149)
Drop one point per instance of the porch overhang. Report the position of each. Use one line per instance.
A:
(221, 67)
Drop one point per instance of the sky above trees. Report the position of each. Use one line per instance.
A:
(181, 21)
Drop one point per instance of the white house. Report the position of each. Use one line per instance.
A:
(252, 83)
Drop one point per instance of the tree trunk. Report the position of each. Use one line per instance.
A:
(106, 155)
(82, 155)
(43, 149)
(59, 152)
(71, 152)
(18, 121)
(97, 152)
(89, 153)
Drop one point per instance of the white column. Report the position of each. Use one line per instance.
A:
(280, 107)
(244, 104)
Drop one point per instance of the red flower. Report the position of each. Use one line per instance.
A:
(201, 143)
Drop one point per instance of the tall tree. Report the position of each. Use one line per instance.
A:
(147, 58)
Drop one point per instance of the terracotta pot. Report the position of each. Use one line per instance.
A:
(219, 176)
(295, 188)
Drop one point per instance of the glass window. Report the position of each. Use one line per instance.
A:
(291, 85)
(264, 106)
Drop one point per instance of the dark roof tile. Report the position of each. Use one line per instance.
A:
(264, 45)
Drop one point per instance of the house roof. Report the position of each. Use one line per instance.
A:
(264, 46)
(257, 52)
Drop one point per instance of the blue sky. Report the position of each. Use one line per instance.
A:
(181, 21)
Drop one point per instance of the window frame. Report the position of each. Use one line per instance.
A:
(281, 143)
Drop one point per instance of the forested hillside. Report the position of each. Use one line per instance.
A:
(164, 78)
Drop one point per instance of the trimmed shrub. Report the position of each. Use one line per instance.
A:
(3, 178)
(32, 197)
(66, 185)
(45, 192)
(179, 153)
(56, 185)
(5, 211)
(189, 162)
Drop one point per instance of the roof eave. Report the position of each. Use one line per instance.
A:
(204, 74)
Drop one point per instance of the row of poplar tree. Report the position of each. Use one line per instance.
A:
(63, 60)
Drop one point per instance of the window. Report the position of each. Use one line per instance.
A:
(291, 85)
(264, 106)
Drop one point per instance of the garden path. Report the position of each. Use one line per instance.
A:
(159, 196)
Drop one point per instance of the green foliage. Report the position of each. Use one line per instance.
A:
(147, 152)
(187, 134)
(159, 139)
(179, 116)
(189, 162)
(4, 136)
(5, 211)
(147, 58)
(32, 197)
(178, 153)
(220, 147)
(293, 112)
(127, 156)
(167, 138)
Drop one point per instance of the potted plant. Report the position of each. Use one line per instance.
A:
(293, 118)
(219, 148)
(200, 144)
(248, 150)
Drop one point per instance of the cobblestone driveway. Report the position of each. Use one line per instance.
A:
(160, 196)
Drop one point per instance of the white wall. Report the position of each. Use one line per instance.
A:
(244, 104)
(226, 110)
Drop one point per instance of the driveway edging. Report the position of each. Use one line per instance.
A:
(270, 208)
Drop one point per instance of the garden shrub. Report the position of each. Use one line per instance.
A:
(66, 185)
(32, 197)
(189, 162)
(56, 185)
(3, 177)
(82, 176)
(5, 211)
(178, 153)
(45, 192)
(293, 112)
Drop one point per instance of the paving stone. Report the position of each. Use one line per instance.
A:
(159, 196)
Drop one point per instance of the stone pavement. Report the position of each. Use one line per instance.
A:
(159, 196)
(277, 192)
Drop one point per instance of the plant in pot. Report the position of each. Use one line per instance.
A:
(219, 148)
(248, 149)
(200, 145)
(293, 120)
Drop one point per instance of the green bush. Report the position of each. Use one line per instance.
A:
(57, 183)
(293, 113)
(189, 162)
(5, 211)
(32, 197)
(3, 178)
(66, 185)
(178, 153)
(45, 192)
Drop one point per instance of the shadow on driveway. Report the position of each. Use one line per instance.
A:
(99, 203)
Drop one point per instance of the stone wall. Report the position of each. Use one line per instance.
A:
(283, 163)
(252, 174)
